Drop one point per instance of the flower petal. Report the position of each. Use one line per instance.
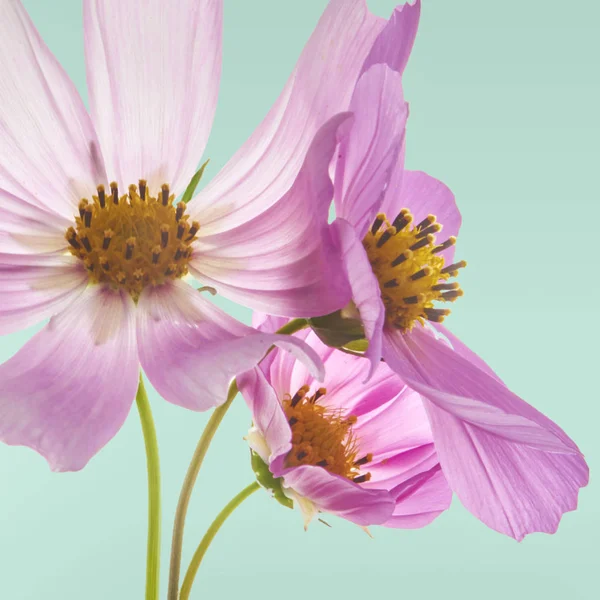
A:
(394, 44)
(190, 349)
(423, 195)
(510, 465)
(25, 228)
(265, 167)
(283, 261)
(339, 496)
(153, 72)
(370, 148)
(49, 155)
(427, 498)
(67, 392)
(40, 286)
(267, 412)
(366, 294)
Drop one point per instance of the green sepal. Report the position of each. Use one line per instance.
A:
(265, 479)
(336, 330)
(193, 184)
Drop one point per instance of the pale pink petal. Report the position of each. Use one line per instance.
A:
(191, 350)
(49, 155)
(267, 412)
(401, 425)
(366, 294)
(265, 167)
(394, 44)
(423, 195)
(369, 148)
(67, 392)
(153, 70)
(340, 496)
(25, 228)
(40, 286)
(419, 506)
(510, 465)
(283, 261)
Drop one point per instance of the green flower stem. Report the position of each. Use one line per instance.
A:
(188, 581)
(194, 469)
(154, 513)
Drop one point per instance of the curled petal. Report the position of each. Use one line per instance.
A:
(191, 350)
(510, 465)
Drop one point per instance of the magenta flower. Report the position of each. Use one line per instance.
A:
(91, 234)
(510, 465)
(363, 452)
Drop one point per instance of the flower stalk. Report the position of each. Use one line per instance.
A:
(154, 503)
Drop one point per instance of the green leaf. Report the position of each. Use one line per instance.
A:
(266, 480)
(336, 330)
(191, 188)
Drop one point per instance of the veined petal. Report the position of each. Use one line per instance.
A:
(67, 392)
(267, 412)
(427, 497)
(369, 150)
(394, 44)
(283, 261)
(339, 496)
(265, 167)
(423, 195)
(153, 70)
(366, 294)
(25, 228)
(190, 349)
(49, 154)
(510, 465)
(38, 287)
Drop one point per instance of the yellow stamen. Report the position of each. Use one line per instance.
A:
(411, 273)
(323, 437)
(131, 241)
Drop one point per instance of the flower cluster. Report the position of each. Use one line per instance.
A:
(374, 411)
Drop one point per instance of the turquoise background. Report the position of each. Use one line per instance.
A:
(504, 108)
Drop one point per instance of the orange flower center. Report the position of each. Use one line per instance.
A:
(134, 240)
(411, 273)
(323, 437)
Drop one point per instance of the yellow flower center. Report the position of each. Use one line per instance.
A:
(322, 437)
(411, 273)
(134, 240)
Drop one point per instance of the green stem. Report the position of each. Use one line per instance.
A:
(154, 514)
(194, 469)
(188, 581)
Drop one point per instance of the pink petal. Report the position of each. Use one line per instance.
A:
(153, 72)
(340, 496)
(267, 412)
(366, 294)
(510, 465)
(25, 228)
(190, 349)
(423, 195)
(67, 392)
(426, 501)
(40, 286)
(394, 44)
(265, 167)
(49, 155)
(283, 261)
(370, 148)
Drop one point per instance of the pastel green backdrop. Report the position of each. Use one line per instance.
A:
(504, 108)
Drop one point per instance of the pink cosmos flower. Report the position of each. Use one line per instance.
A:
(91, 234)
(509, 464)
(363, 452)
